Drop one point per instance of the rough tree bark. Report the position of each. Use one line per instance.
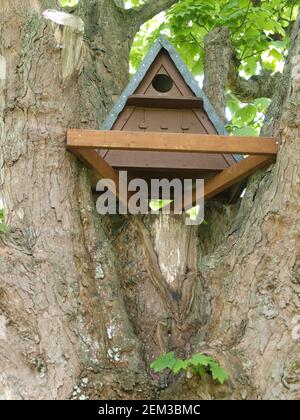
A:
(87, 302)
(218, 53)
(57, 262)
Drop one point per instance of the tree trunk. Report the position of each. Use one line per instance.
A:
(57, 261)
(87, 302)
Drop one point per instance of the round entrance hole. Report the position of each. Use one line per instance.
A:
(162, 83)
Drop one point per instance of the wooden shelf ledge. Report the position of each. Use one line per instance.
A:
(264, 150)
(169, 142)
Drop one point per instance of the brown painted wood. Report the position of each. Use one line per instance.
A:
(162, 101)
(168, 133)
(100, 167)
(171, 142)
(165, 120)
(164, 65)
(155, 161)
(235, 173)
(176, 111)
(213, 186)
(172, 120)
(94, 161)
(123, 117)
(205, 121)
(231, 176)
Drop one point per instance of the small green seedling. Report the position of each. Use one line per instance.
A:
(198, 364)
(2, 225)
(68, 3)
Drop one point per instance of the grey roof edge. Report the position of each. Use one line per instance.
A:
(132, 86)
(159, 44)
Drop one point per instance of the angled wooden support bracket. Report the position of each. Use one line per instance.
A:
(101, 169)
(231, 176)
(235, 173)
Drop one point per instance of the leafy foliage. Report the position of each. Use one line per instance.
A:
(68, 3)
(198, 364)
(156, 205)
(260, 32)
(134, 3)
(2, 225)
(246, 119)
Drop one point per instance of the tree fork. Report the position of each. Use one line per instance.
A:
(77, 302)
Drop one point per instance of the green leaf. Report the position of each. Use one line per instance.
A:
(156, 205)
(245, 131)
(166, 361)
(281, 44)
(233, 104)
(250, 65)
(218, 373)
(180, 365)
(279, 28)
(197, 68)
(200, 370)
(68, 3)
(276, 54)
(247, 113)
(270, 65)
(198, 363)
(2, 225)
(264, 102)
(243, 3)
(200, 359)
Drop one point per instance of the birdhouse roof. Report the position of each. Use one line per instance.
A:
(163, 44)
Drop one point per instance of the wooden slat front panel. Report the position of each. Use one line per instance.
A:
(171, 121)
(165, 160)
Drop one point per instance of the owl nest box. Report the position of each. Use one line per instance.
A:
(164, 126)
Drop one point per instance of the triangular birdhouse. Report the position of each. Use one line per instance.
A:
(164, 126)
(163, 96)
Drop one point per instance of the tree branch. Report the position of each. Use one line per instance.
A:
(262, 85)
(218, 52)
(221, 71)
(148, 10)
(119, 4)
